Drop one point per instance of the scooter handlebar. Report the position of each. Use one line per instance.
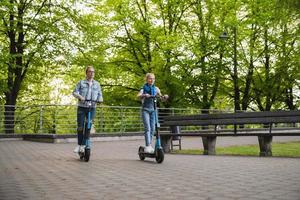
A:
(89, 102)
(163, 97)
(93, 101)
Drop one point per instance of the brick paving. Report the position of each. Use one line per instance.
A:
(32, 170)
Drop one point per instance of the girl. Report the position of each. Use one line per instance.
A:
(148, 113)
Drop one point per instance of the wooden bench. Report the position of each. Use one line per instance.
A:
(239, 123)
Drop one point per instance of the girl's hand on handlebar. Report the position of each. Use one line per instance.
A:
(146, 95)
(164, 97)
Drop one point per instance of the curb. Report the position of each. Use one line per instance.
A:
(69, 138)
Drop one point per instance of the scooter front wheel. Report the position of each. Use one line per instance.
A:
(81, 155)
(141, 153)
(159, 156)
(87, 154)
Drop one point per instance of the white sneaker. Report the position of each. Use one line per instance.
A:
(76, 150)
(82, 147)
(149, 149)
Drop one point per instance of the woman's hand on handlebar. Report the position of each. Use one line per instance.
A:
(93, 101)
(81, 98)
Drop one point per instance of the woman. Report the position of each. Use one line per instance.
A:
(85, 91)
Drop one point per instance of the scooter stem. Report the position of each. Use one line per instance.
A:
(89, 119)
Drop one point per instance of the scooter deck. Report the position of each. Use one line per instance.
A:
(149, 155)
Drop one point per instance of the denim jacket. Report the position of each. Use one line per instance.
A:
(82, 89)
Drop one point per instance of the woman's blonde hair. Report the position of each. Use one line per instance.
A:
(89, 67)
(148, 75)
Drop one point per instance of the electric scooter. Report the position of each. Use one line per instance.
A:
(84, 153)
(158, 153)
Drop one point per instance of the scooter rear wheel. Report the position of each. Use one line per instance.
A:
(141, 153)
(159, 156)
(87, 154)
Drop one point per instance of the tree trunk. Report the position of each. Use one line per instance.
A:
(249, 76)
(268, 86)
(16, 68)
(235, 74)
(289, 99)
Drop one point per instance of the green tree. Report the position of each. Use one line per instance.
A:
(144, 40)
(279, 76)
(32, 33)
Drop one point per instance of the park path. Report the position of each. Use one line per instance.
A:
(32, 170)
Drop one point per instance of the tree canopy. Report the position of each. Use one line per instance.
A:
(211, 54)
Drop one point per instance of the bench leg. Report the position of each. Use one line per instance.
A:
(209, 144)
(265, 145)
(177, 138)
(166, 143)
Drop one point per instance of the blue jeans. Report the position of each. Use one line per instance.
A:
(149, 125)
(82, 116)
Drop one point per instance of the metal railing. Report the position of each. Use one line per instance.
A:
(61, 119)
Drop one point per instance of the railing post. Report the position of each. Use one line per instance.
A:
(100, 119)
(41, 120)
(140, 120)
(122, 127)
(1, 123)
(54, 125)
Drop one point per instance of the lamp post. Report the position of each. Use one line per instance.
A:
(223, 36)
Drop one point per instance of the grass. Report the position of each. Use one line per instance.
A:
(286, 149)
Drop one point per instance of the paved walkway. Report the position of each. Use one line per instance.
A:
(31, 170)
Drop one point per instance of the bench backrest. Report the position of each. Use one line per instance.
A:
(265, 117)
